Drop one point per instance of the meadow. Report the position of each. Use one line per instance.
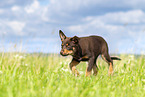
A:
(42, 75)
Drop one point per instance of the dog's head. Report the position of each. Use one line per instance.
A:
(69, 44)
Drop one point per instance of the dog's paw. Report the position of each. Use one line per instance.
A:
(110, 73)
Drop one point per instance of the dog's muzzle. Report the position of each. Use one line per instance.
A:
(63, 54)
(66, 52)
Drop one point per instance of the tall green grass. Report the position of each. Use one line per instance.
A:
(36, 75)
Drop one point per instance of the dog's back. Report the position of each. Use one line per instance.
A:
(93, 45)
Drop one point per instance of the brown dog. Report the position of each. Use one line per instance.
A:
(86, 49)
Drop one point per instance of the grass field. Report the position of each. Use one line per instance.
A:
(38, 75)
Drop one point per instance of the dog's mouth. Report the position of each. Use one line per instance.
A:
(66, 52)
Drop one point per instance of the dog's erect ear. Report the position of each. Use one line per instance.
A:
(75, 39)
(62, 36)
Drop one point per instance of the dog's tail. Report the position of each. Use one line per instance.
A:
(115, 58)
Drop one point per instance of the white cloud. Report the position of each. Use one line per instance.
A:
(132, 16)
(15, 8)
(9, 3)
(111, 21)
(17, 27)
(1, 11)
(33, 7)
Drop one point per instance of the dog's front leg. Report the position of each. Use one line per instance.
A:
(90, 66)
(72, 66)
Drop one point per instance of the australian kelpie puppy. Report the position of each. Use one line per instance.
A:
(86, 49)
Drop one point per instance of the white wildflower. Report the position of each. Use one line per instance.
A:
(66, 70)
(144, 87)
(1, 72)
(26, 64)
(81, 72)
(19, 57)
(16, 56)
(22, 73)
(129, 61)
(65, 63)
(60, 63)
(143, 80)
(131, 57)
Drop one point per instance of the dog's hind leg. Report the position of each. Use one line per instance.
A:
(73, 65)
(95, 69)
(107, 58)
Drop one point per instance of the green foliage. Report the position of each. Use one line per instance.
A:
(34, 75)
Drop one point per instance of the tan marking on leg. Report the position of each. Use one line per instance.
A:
(73, 67)
(110, 72)
(74, 71)
(88, 73)
(95, 69)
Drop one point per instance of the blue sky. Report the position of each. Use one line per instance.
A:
(33, 25)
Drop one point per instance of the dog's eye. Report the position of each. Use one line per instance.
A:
(67, 44)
